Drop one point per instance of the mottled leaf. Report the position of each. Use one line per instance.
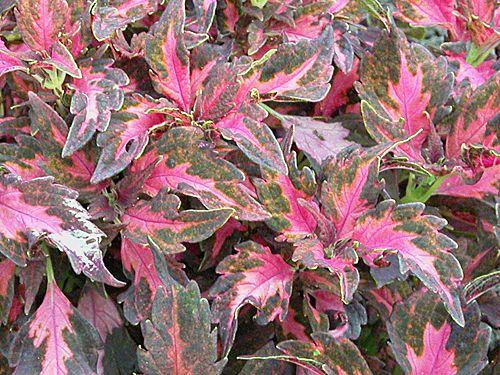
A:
(95, 95)
(114, 15)
(9, 61)
(168, 57)
(178, 339)
(255, 276)
(259, 362)
(476, 120)
(189, 166)
(421, 248)
(40, 209)
(56, 340)
(318, 139)
(312, 254)
(403, 86)
(7, 270)
(326, 355)
(160, 220)
(126, 137)
(425, 340)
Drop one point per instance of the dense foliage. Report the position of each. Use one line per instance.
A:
(249, 186)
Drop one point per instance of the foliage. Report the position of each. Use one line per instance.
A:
(234, 186)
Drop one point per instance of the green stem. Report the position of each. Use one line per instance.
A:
(49, 270)
(272, 112)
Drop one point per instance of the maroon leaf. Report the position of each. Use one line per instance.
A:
(168, 57)
(410, 87)
(178, 338)
(126, 137)
(160, 220)
(7, 270)
(56, 340)
(425, 341)
(326, 355)
(189, 166)
(31, 277)
(420, 247)
(256, 276)
(39, 208)
(96, 94)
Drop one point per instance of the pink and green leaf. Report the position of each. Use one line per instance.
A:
(57, 340)
(252, 276)
(160, 220)
(190, 167)
(7, 270)
(178, 339)
(96, 94)
(126, 136)
(9, 61)
(403, 87)
(39, 209)
(421, 248)
(325, 355)
(425, 340)
(168, 57)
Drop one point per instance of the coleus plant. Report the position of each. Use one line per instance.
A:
(228, 187)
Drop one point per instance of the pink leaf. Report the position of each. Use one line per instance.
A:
(425, 341)
(41, 209)
(7, 270)
(62, 59)
(96, 94)
(57, 340)
(421, 248)
(9, 62)
(256, 276)
(398, 100)
(168, 56)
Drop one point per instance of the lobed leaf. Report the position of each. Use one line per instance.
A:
(40, 209)
(256, 276)
(56, 340)
(178, 338)
(421, 248)
(425, 341)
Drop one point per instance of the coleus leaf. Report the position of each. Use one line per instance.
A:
(281, 194)
(9, 62)
(126, 137)
(31, 277)
(190, 167)
(352, 185)
(425, 341)
(261, 362)
(95, 95)
(139, 265)
(111, 16)
(40, 209)
(312, 254)
(254, 275)
(410, 87)
(51, 130)
(160, 220)
(319, 140)
(7, 270)
(326, 355)
(56, 340)
(24, 157)
(104, 316)
(253, 137)
(429, 13)
(178, 338)
(299, 71)
(40, 22)
(421, 248)
(168, 57)
(475, 119)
